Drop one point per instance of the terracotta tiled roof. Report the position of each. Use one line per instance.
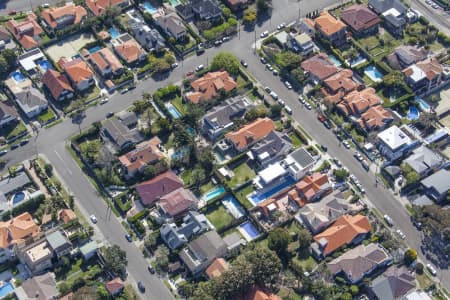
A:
(67, 215)
(151, 190)
(217, 267)
(259, 293)
(375, 117)
(104, 35)
(78, 70)
(51, 15)
(130, 51)
(69, 296)
(320, 66)
(359, 17)
(308, 187)
(22, 226)
(98, 7)
(114, 285)
(251, 133)
(339, 84)
(104, 58)
(328, 24)
(145, 153)
(56, 83)
(343, 232)
(431, 67)
(177, 202)
(25, 31)
(4, 235)
(357, 102)
(208, 86)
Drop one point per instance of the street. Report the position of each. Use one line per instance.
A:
(22, 5)
(52, 143)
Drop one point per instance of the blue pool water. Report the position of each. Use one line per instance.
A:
(45, 65)
(18, 197)
(18, 77)
(373, 73)
(233, 206)
(422, 104)
(149, 8)
(94, 49)
(113, 32)
(173, 111)
(334, 60)
(413, 113)
(180, 153)
(356, 61)
(174, 2)
(214, 193)
(258, 197)
(250, 229)
(6, 289)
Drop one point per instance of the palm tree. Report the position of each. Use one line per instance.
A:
(427, 119)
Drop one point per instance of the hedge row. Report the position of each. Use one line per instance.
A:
(140, 215)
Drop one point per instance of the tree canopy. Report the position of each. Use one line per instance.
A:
(115, 260)
(226, 61)
(278, 240)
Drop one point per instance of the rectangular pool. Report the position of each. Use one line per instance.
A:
(423, 104)
(233, 206)
(94, 49)
(214, 193)
(373, 73)
(334, 60)
(5, 289)
(264, 194)
(173, 111)
(249, 231)
(113, 32)
(149, 8)
(18, 77)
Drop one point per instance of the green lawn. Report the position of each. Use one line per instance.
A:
(46, 116)
(295, 140)
(242, 173)
(206, 187)
(13, 130)
(179, 105)
(305, 260)
(242, 196)
(219, 217)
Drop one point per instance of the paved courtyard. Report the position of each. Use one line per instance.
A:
(69, 46)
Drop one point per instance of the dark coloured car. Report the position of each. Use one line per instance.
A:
(14, 146)
(141, 287)
(110, 114)
(263, 60)
(132, 87)
(150, 269)
(244, 63)
(327, 124)
(24, 142)
(324, 148)
(129, 238)
(3, 152)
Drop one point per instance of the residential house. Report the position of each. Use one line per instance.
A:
(128, 49)
(37, 256)
(58, 85)
(282, 37)
(5, 39)
(193, 224)
(210, 86)
(394, 283)
(359, 262)
(172, 25)
(106, 63)
(309, 189)
(67, 215)
(347, 230)
(120, 135)
(202, 251)
(393, 12)
(273, 211)
(9, 185)
(425, 75)
(217, 268)
(27, 32)
(417, 295)
(270, 149)
(375, 118)
(338, 85)
(361, 20)
(59, 17)
(115, 286)
(332, 29)
(99, 7)
(406, 55)
(234, 242)
(250, 134)
(149, 38)
(437, 186)
(152, 190)
(357, 102)
(301, 43)
(176, 204)
(393, 143)
(298, 163)
(78, 72)
(33, 62)
(42, 287)
(31, 101)
(268, 177)
(319, 215)
(59, 243)
(8, 114)
(259, 293)
(318, 67)
(145, 154)
(89, 249)
(220, 118)
(200, 10)
(424, 161)
(236, 5)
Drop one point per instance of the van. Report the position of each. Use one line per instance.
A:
(288, 109)
(274, 95)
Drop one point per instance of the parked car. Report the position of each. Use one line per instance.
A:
(281, 102)
(141, 287)
(124, 91)
(200, 50)
(190, 73)
(365, 165)
(269, 67)
(24, 142)
(199, 68)
(401, 234)
(14, 146)
(281, 26)
(346, 144)
(12, 12)
(327, 124)
(264, 34)
(3, 152)
(218, 43)
(109, 115)
(301, 99)
(103, 101)
(288, 109)
(93, 219)
(243, 63)
(131, 87)
(268, 89)
(275, 72)
(151, 269)
(321, 117)
(128, 237)
(358, 156)
(337, 162)
(225, 39)
(288, 84)
(308, 106)
(274, 95)
(263, 60)
(324, 148)
(388, 220)
(431, 269)
(174, 65)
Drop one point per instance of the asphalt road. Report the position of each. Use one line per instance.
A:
(437, 17)
(52, 143)
(22, 5)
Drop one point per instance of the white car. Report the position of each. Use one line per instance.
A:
(199, 68)
(346, 144)
(93, 219)
(288, 85)
(274, 95)
(308, 106)
(431, 269)
(388, 220)
(268, 89)
(301, 99)
(269, 67)
(337, 162)
(275, 72)
(281, 26)
(264, 34)
(281, 102)
(401, 234)
(104, 100)
(358, 156)
(288, 109)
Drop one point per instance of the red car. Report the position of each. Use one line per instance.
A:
(12, 12)
(190, 73)
(321, 117)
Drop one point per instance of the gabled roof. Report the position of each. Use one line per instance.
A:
(359, 17)
(114, 285)
(104, 58)
(259, 293)
(357, 102)
(4, 34)
(98, 7)
(217, 267)
(380, 6)
(328, 24)
(431, 67)
(251, 133)
(171, 22)
(54, 15)
(423, 159)
(67, 215)
(177, 202)
(375, 117)
(25, 31)
(209, 86)
(342, 232)
(42, 285)
(393, 284)
(151, 190)
(438, 181)
(56, 83)
(145, 153)
(320, 66)
(30, 98)
(406, 55)
(130, 51)
(7, 110)
(77, 70)
(307, 188)
(22, 226)
(274, 144)
(120, 134)
(339, 84)
(223, 115)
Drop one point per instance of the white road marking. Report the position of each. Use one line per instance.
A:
(64, 163)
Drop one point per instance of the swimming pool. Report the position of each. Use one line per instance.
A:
(173, 111)
(258, 197)
(149, 8)
(180, 153)
(45, 65)
(214, 193)
(422, 104)
(18, 197)
(357, 61)
(6, 289)
(233, 206)
(373, 73)
(18, 77)
(334, 60)
(249, 230)
(413, 113)
(174, 2)
(113, 32)
(94, 49)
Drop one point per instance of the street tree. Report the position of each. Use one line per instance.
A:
(275, 110)
(115, 260)
(288, 60)
(249, 16)
(263, 5)
(227, 61)
(410, 256)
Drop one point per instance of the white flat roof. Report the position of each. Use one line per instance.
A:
(393, 12)
(394, 137)
(272, 172)
(27, 60)
(417, 73)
